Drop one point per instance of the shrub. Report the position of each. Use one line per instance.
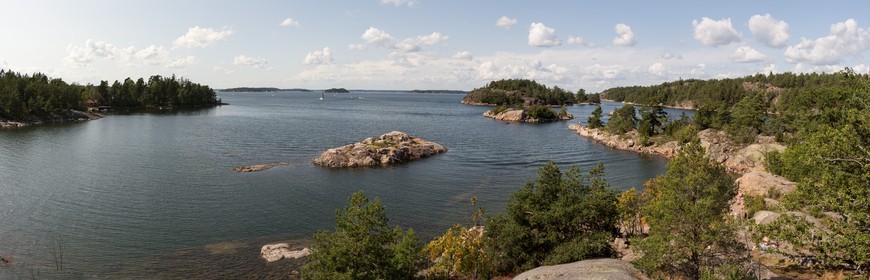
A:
(753, 204)
(541, 112)
(363, 246)
(557, 218)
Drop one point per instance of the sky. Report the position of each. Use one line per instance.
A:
(430, 44)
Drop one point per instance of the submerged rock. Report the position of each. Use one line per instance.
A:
(278, 251)
(587, 269)
(258, 167)
(391, 148)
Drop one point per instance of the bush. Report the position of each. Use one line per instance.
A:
(753, 204)
(363, 246)
(459, 251)
(499, 109)
(541, 112)
(557, 218)
(623, 120)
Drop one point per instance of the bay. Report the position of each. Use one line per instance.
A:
(153, 194)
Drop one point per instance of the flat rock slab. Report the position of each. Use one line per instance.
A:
(258, 167)
(279, 251)
(587, 269)
(391, 148)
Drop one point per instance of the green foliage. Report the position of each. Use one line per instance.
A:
(682, 129)
(712, 115)
(753, 204)
(541, 112)
(688, 230)
(594, 98)
(594, 120)
(623, 120)
(747, 118)
(24, 96)
(363, 246)
(555, 219)
(499, 109)
(652, 119)
(517, 91)
(629, 206)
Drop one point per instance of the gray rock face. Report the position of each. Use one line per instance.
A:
(391, 148)
(588, 269)
(274, 252)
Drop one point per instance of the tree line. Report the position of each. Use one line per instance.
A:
(24, 96)
(524, 92)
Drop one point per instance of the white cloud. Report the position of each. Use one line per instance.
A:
(770, 68)
(180, 62)
(669, 55)
(432, 39)
(624, 36)
(290, 22)
(747, 54)
(542, 36)
(222, 70)
(397, 3)
(152, 55)
(715, 32)
(4, 64)
(92, 50)
(579, 41)
(506, 22)
(197, 37)
(257, 62)
(699, 70)
(377, 37)
(657, 69)
(463, 55)
(318, 57)
(768, 30)
(844, 40)
(356, 47)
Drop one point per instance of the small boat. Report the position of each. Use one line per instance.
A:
(321, 95)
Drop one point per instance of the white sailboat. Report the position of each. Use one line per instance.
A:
(321, 95)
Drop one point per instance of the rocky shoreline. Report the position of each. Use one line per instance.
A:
(258, 167)
(391, 148)
(738, 159)
(66, 116)
(518, 115)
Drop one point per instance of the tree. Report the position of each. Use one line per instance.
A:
(459, 251)
(580, 96)
(363, 246)
(623, 120)
(651, 120)
(747, 118)
(594, 98)
(594, 120)
(557, 218)
(689, 234)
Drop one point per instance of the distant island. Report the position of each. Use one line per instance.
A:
(35, 99)
(336, 90)
(262, 89)
(521, 100)
(449, 91)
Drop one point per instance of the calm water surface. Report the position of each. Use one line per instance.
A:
(153, 195)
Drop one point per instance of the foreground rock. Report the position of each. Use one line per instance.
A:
(736, 158)
(517, 115)
(65, 116)
(587, 269)
(391, 148)
(279, 251)
(257, 167)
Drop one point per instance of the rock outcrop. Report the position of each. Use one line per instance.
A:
(391, 148)
(65, 116)
(517, 115)
(279, 251)
(258, 167)
(760, 183)
(734, 157)
(587, 269)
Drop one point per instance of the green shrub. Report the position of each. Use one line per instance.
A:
(541, 112)
(363, 246)
(499, 109)
(753, 204)
(557, 218)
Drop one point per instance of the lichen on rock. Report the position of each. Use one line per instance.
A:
(391, 148)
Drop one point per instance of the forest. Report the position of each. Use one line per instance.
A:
(26, 96)
(513, 92)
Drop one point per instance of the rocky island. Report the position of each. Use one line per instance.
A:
(523, 101)
(391, 148)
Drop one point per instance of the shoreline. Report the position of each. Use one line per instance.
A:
(69, 116)
(664, 106)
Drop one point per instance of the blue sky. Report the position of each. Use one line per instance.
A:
(431, 44)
